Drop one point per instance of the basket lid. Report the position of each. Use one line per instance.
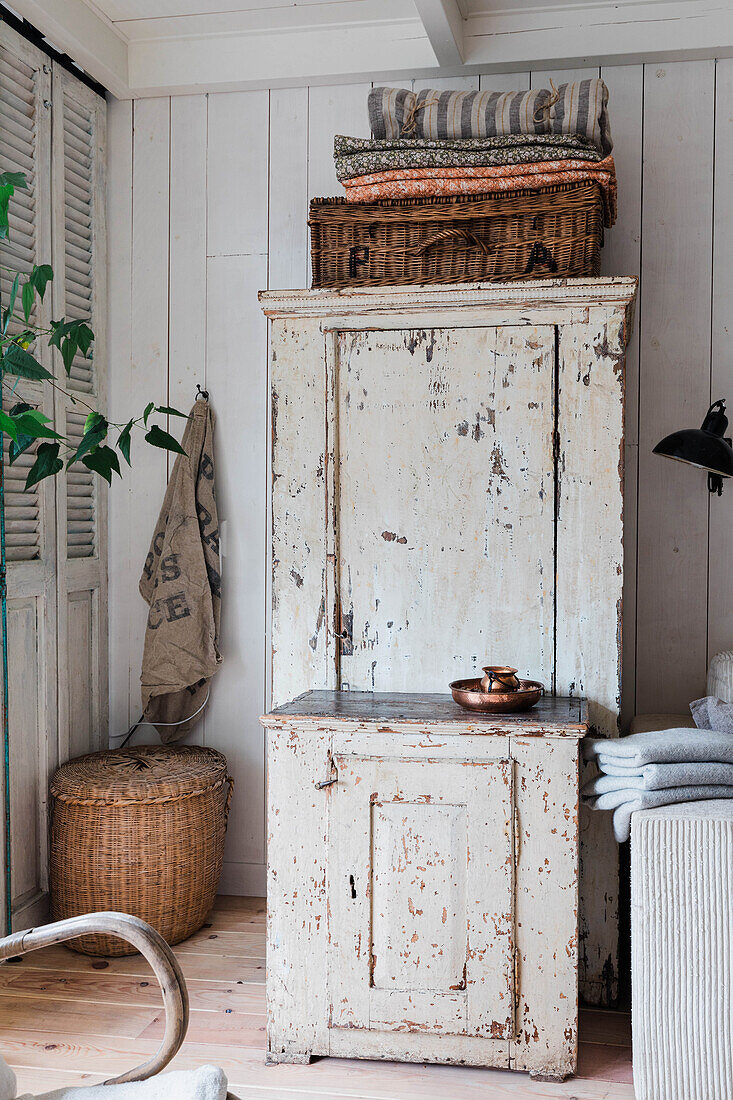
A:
(142, 773)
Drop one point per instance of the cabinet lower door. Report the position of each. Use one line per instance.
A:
(421, 896)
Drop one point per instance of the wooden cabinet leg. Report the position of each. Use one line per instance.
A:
(288, 1057)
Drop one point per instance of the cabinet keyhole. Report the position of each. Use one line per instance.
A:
(353, 887)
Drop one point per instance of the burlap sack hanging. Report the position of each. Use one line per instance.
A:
(181, 584)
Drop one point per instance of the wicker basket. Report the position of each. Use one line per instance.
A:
(139, 831)
(549, 233)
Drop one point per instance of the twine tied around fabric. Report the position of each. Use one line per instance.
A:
(409, 124)
(544, 108)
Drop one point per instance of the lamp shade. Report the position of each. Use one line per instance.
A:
(704, 447)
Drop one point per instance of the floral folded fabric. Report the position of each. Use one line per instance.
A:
(360, 156)
(485, 181)
(541, 167)
(577, 107)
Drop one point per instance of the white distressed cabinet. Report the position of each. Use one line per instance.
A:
(447, 475)
(423, 881)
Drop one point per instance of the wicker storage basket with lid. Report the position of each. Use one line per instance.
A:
(140, 831)
(555, 231)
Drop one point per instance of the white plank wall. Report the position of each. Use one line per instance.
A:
(208, 204)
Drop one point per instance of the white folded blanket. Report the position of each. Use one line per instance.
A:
(205, 1083)
(626, 801)
(677, 746)
(656, 777)
(659, 768)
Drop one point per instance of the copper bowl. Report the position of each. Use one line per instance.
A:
(468, 694)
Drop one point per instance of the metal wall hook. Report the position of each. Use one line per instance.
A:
(201, 393)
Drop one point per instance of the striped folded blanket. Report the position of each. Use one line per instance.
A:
(433, 182)
(361, 156)
(580, 107)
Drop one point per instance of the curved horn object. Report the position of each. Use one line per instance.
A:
(150, 944)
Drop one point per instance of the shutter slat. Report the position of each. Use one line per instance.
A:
(81, 499)
(79, 115)
(17, 72)
(22, 511)
(77, 171)
(75, 130)
(20, 161)
(75, 191)
(19, 251)
(15, 106)
(72, 144)
(78, 148)
(78, 246)
(75, 210)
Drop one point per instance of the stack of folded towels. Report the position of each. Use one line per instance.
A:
(659, 768)
(432, 143)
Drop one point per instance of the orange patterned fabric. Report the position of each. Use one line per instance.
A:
(479, 171)
(406, 183)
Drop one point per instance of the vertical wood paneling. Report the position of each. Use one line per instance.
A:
(332, 110)
(149, 354)
(122, 402)
(675, 382)
(504, 82)
(237, 381)
(448, 84)
(289, 255)
(238, 138)
(238, 387)
(541, 78)
(187, 312)
(622, 256)
(720, 591)
(187, 300)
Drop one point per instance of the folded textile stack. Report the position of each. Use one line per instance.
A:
(658, 768)
(431, 144)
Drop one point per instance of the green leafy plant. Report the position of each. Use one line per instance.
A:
(25, 425)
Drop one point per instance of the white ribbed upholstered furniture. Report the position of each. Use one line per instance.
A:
(720, 676)
(682, 951)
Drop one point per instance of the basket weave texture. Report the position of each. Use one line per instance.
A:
(552, 232)
(139, 831)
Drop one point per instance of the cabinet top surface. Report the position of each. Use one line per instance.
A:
(552, 714)
(612, 291)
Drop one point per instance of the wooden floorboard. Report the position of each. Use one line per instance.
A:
(70, 1019)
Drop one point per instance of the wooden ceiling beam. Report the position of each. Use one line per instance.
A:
(444, 25)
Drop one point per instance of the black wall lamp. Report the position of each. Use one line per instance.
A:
(705, 447)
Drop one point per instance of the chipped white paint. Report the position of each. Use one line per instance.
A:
(448, 490)
(428, 870)
(590, 592)
(424, 906)
(438, 521)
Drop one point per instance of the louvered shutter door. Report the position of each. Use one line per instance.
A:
(19, 108)
(79, 138)
(79, 258)
(25, 138)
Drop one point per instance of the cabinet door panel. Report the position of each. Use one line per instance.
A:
(444, 504)
(421, 924)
